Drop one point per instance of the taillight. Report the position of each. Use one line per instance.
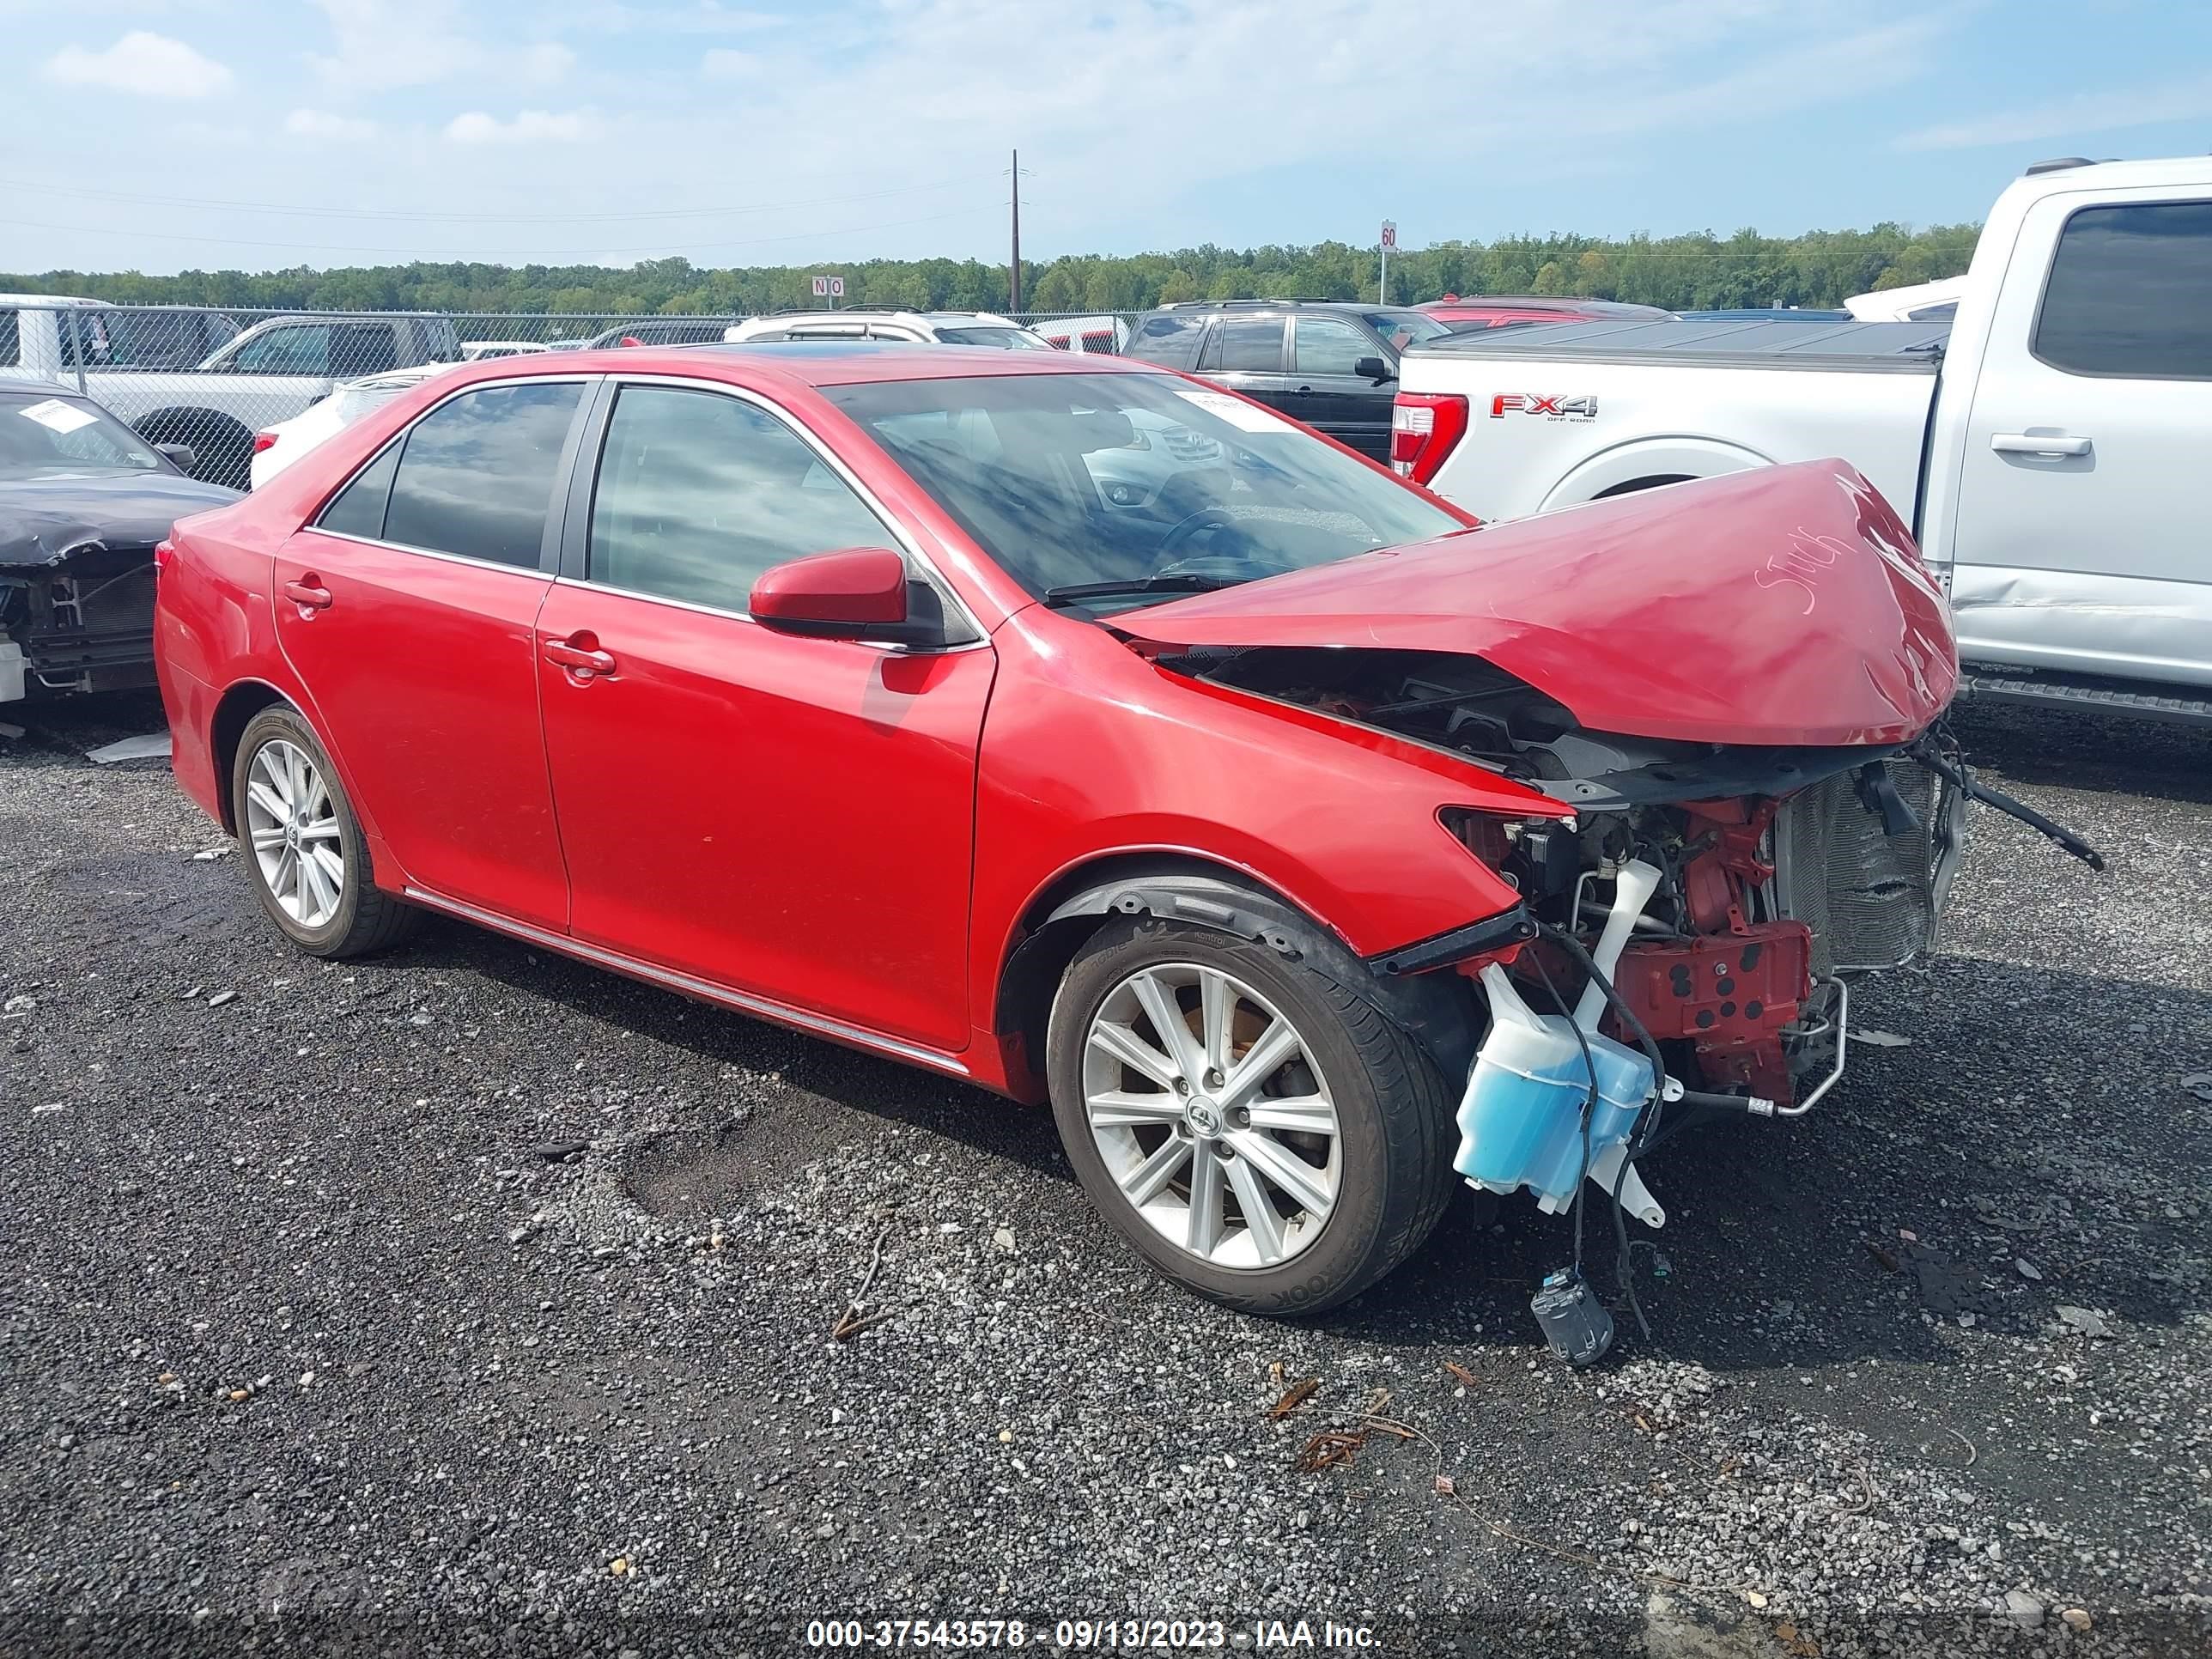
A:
(163, 552)
(263, 441)
(1424, 426)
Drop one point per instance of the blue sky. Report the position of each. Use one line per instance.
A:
(166, 134)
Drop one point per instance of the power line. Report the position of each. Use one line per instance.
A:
(416, 254)
(325, 212)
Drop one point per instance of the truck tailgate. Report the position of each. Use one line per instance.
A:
(1558, 415)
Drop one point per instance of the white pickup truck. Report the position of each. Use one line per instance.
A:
(2045, 446)
(213, 404)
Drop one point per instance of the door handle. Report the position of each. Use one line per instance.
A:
(309, 591)
(582, 660)
(1305, 388)
(2033, 443)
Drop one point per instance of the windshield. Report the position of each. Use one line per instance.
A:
(1069, 480)
(1011, 339)
(61, 438)
(1405, 328)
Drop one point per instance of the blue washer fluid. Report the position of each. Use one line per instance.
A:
(1520, 1121)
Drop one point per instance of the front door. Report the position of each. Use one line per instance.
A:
(407, 610)
(1329, 392)
(2084, 537)
(792, 817)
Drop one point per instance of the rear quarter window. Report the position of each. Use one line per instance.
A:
(1167, 339)
(2126, 293)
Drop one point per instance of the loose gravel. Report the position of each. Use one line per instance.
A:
(468, 1300)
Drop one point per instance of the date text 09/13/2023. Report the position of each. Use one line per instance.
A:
(1101, 1635)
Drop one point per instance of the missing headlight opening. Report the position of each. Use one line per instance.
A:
(1691, 927)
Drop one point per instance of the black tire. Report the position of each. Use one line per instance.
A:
(367, 919)
(1394, 1114)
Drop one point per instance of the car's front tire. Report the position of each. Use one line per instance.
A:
(302, 845)
(1261, 1131)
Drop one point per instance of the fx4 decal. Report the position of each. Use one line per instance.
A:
(1527, 403)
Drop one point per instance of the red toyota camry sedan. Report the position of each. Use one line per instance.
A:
(1101, 736)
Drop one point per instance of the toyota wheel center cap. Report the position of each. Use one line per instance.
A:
(1203, 1117)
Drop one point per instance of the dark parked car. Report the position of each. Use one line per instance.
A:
(83, 501)
(1333, 364)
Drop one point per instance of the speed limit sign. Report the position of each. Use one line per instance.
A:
(1390, 233)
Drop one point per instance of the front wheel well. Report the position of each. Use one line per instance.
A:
(1633, 485)
(238, 705)
(1438, 1009)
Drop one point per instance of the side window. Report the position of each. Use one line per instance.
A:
(1168, 338)
(359, 349)
(358, 509)
(1250, 345)
(475, 475)
(2126, 293)
(698, 494)
(1330, 345)
(300, 349)
(11, 340)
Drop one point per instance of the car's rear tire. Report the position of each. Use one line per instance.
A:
(301, 845)
(1343, 1138)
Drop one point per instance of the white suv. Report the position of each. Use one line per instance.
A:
(975, 328)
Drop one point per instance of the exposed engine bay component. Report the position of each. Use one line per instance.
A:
(1864, 858)
(1550, 1094)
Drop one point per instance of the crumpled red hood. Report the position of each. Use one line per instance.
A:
(1783, 605)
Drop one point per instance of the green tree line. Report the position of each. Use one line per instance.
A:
(1694, 271)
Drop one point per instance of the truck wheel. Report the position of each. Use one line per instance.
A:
(1260, 1133)
(305, 853)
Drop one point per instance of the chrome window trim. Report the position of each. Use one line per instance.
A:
(899, 534)
(889, 648)
(537, 570)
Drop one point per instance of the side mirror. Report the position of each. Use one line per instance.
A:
(1376, 369)
(856, 592)
(183, 457)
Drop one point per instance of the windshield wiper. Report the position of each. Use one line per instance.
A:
(1180, 581)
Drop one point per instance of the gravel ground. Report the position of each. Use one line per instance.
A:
(314, 1339)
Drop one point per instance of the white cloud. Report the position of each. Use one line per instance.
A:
(151, 64)
(727, 63)
(323, 124)
(2084, 113)
(532, 126)
(381, 45)
(699, 17)
(546, 63)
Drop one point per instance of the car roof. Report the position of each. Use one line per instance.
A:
(43, 390)
(819, 363)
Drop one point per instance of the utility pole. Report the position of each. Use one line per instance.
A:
(1014, 288)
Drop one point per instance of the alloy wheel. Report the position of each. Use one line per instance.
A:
(1212, 1116)
(292, 823)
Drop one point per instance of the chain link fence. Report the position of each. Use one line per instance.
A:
(207, 380)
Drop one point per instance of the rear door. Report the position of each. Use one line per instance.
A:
(790, 818)
(2083, 534)
(1245, 354)
(407, 609)
(1326, 389)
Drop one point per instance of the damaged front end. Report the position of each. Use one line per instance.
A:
(81, 621)
(1734, 692)
(1767, 876)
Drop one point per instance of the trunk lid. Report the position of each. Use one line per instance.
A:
(1783, 605)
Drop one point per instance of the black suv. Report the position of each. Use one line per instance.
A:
(1331, 363)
